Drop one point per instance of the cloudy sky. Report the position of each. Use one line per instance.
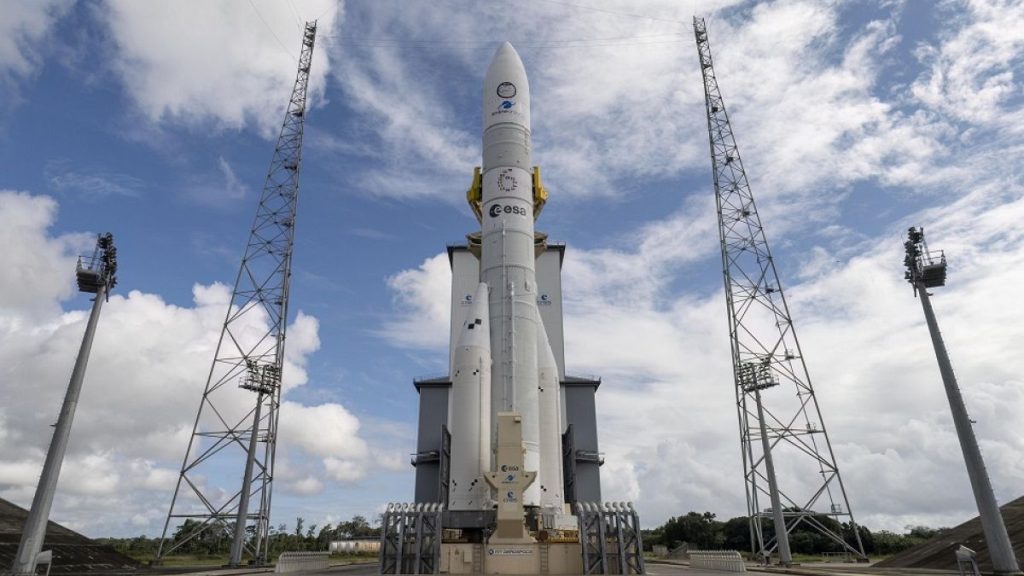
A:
(857, 119)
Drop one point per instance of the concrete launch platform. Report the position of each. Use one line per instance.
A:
(554, 558)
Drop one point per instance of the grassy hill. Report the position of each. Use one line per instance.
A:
(937, 553)
(72, 552)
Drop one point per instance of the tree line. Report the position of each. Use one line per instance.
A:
(215, 542)
(700, 530)
(703, 531)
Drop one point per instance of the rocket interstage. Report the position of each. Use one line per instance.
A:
(507, 251)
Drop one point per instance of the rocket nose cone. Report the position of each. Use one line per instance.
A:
(506, 48)
(506, 59)
(506, 89)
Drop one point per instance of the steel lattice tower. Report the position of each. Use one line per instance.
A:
(778, 429)
(235, 430)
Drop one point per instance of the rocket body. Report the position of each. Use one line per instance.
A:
(507, 250)
(470, 420)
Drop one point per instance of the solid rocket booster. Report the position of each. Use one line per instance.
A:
(549, 400)
(507, 250)
(471, 410)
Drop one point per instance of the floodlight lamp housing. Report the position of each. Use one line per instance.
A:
(98, 270)
(925, 268)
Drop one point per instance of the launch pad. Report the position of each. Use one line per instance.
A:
(419, 539)
(507, 460)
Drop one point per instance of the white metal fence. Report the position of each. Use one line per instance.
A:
(299, 561)
(725, 560)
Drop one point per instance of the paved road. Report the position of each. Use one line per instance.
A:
(657, 569)
(652, 569)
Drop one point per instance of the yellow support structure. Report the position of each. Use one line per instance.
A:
(540, 193)
(475, 198)
(475, 195)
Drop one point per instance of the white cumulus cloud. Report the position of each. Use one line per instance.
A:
(146, 374)
(23, 25)
(236, 67)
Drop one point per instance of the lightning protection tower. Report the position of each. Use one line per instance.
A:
(235, 430)
(781, 427)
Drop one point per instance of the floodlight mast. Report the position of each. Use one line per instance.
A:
(927, 269)
(766, 358)
(97, 274)
(236, 424)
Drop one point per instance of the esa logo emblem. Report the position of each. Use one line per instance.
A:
(498, 209)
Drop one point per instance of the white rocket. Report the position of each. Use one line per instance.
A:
(523, 376)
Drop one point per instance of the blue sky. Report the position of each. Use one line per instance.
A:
(855, 120)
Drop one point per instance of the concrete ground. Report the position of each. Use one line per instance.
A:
(656, 568)
(815, 569)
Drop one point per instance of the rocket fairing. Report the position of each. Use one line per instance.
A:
(471, 410)
(507, 251)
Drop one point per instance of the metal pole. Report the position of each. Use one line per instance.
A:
(1000, 549)
(35, 525)
(781, 535)
(238, 546)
